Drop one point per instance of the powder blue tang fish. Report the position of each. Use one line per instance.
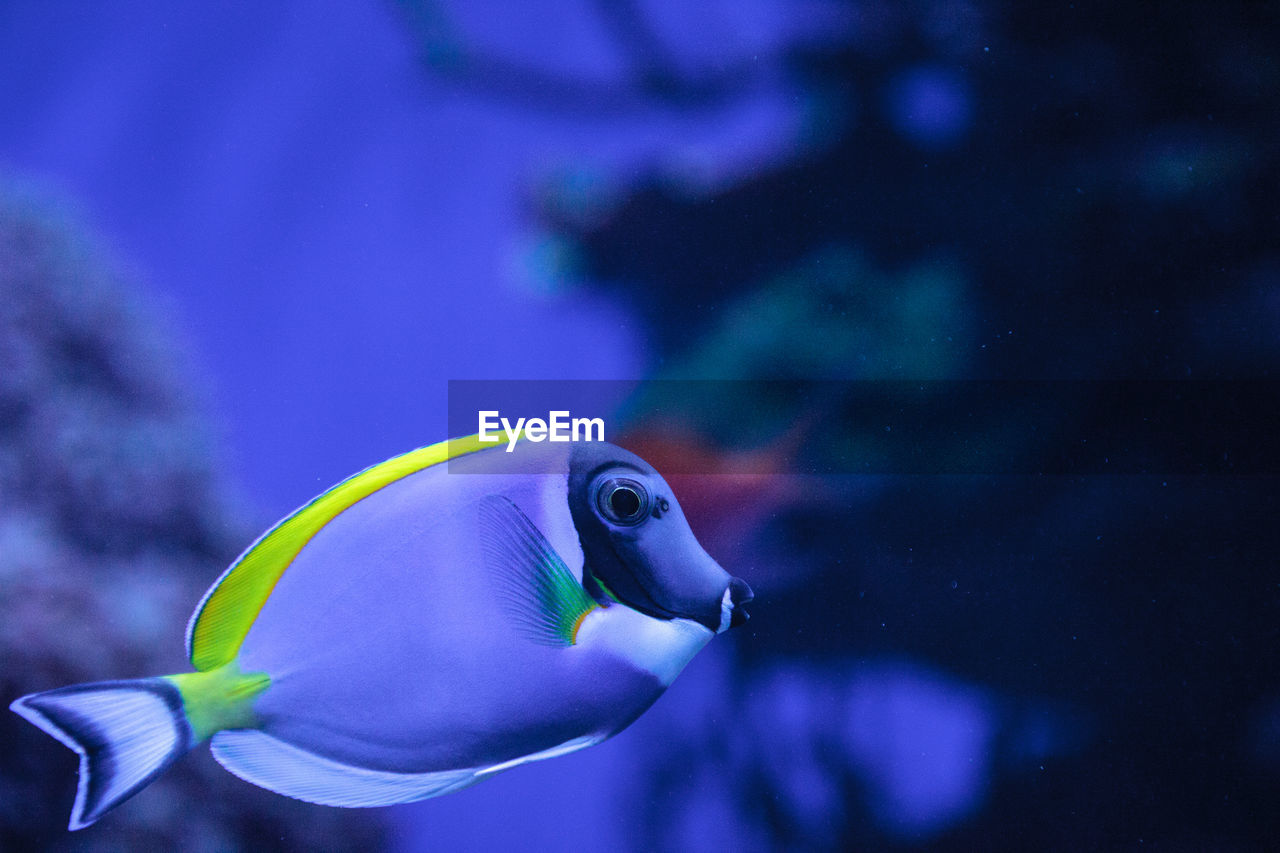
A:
(415, 630)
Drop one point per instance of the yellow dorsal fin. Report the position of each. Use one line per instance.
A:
(229, 608)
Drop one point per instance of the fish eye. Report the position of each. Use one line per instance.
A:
(622, 500)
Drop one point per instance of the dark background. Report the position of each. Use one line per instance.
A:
(242, 252)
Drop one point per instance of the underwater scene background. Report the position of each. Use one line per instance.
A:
(244, 252)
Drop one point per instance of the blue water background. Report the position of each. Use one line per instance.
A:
(336, 215)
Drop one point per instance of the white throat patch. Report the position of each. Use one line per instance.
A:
(661, 647)
(726, 612)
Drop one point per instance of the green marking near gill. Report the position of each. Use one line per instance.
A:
(562, 599)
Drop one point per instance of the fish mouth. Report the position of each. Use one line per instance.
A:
(735, 598)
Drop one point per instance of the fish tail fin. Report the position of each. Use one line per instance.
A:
(125, 732)
(129, 732)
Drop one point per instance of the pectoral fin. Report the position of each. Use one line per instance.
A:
(538, 589)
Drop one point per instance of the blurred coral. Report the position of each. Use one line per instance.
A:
(112, 524)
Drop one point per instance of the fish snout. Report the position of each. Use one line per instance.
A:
(739, 595)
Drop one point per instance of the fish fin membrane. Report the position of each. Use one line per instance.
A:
(125, 732)
(555, 751)
(536, 586)
(228, 610)
(271, 763)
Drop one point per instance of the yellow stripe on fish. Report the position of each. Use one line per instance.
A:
(229, 609)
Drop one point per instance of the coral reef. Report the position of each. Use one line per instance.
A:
(112, 524)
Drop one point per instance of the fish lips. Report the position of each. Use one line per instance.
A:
(732, 603)
(699, 589)
(739, 595)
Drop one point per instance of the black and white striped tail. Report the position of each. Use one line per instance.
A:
(126, 733)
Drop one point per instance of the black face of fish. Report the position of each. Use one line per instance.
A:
(638, 545)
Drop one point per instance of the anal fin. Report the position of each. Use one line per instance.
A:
(554, 752)
(270, 763)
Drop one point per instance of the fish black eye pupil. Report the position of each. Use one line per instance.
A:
(625, 502)
(622, 500)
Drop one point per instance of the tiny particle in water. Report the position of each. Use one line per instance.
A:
(955, 584)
